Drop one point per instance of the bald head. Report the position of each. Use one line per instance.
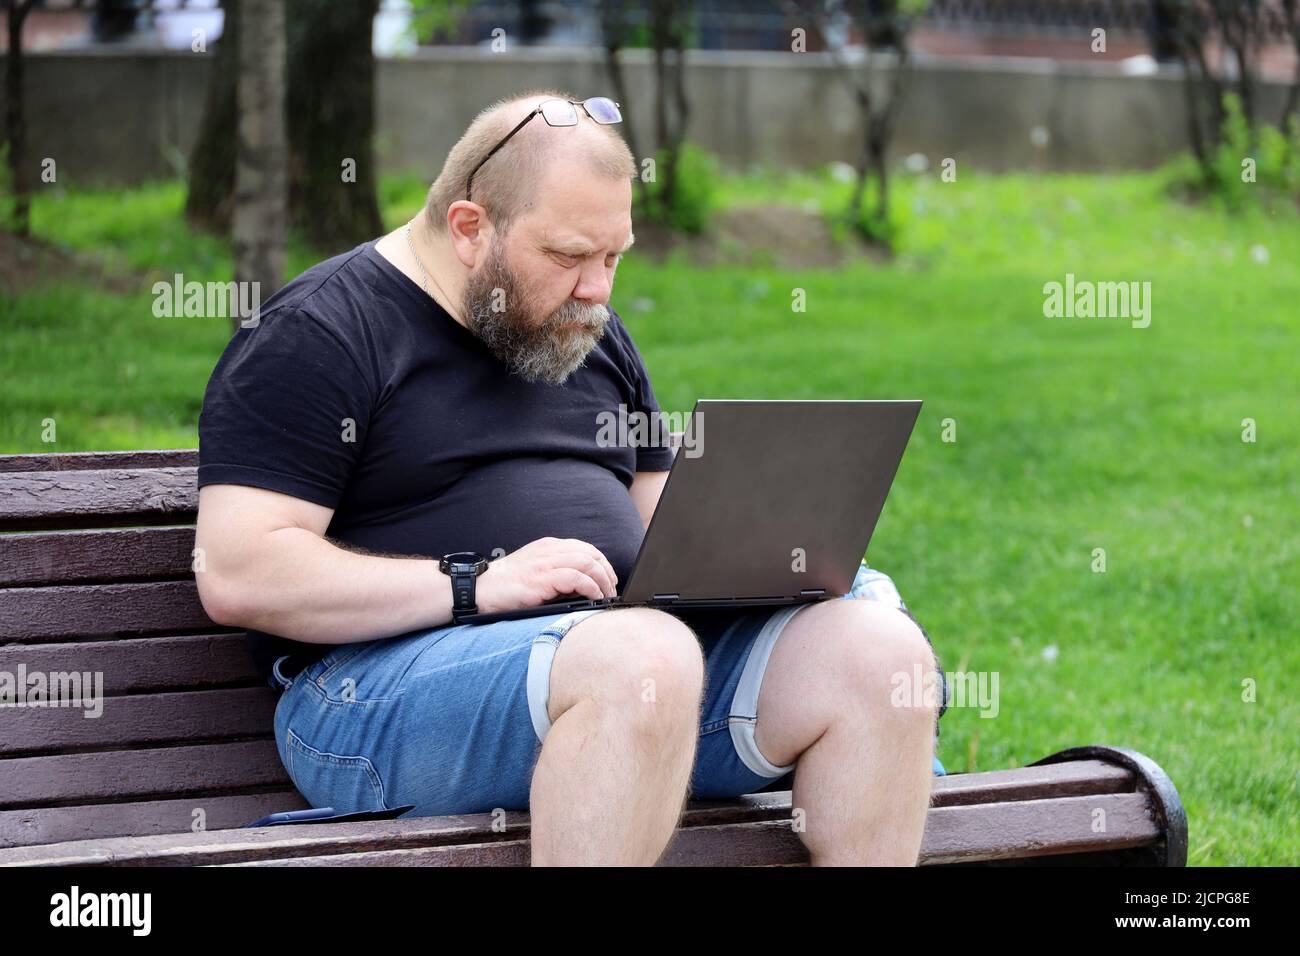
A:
(508, 184)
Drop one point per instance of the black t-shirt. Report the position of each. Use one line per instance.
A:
(356, 391)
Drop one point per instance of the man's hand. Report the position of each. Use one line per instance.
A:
(543, 570)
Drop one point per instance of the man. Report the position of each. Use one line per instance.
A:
(438, 390)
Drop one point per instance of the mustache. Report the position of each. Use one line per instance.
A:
(588, 316)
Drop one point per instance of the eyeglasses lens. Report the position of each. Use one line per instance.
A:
(603, 110)
(560, 113)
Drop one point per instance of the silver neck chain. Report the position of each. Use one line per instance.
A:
(424, 273)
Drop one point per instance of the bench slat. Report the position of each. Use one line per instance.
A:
(63, 824)
(101, 460)
(134, 665)
(89, 610)
(99, 778)
(1075, 778)
(989, 831)
(984, 831)
(764, 843)
(46, 500)
(948, 792)
(71, 557)
(1029, 828)
(145, 772)
(36, 826)
(508, 853)
(139, 719)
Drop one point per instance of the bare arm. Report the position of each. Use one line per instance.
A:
(266, 565)
(646, 488)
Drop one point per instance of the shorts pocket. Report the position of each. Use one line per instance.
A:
(331, 662)
(346, 783)
(346, 677)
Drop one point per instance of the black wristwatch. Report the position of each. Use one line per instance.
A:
(463, 567)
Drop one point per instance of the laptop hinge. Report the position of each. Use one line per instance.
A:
(812, 592)
(665, 598)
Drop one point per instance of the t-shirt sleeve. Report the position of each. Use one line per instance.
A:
(650, 457)
(286, 409)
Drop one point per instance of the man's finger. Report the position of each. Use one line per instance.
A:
(572, 581)
(591, 562)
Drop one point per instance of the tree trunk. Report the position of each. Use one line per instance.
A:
(614, 28)
(16, 120)
(1242, 27)
(1207, 89)
(668, 33)
(682, 113)
(665, 174)
(1293, 94)
(1192, 101)
(333, 194)
(261, 186)
(882, 26)
(330, 70)
(863, 171)
(881, 168)
(211, 193)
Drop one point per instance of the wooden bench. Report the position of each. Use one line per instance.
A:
(95, 576)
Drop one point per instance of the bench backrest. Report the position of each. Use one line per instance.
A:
(96, 579)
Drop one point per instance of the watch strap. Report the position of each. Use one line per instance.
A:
(463, 589)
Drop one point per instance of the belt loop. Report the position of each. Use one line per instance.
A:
(284, 682)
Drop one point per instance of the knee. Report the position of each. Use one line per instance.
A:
(660, 655)
(887, 662)
(643, 664)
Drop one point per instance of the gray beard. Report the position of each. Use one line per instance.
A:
(535, 352)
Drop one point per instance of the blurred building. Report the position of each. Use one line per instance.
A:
(1003, 84)
(958, 29)
(1136, 30)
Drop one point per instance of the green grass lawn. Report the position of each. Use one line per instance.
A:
(1071, 435)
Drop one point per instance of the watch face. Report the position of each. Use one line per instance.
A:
(463, 557)
(461, 561)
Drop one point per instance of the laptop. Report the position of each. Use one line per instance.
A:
(767, 502)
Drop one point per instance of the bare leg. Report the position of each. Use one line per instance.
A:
(864, 768)
(611, 782)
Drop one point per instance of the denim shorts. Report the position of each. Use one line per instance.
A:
(451, 720)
